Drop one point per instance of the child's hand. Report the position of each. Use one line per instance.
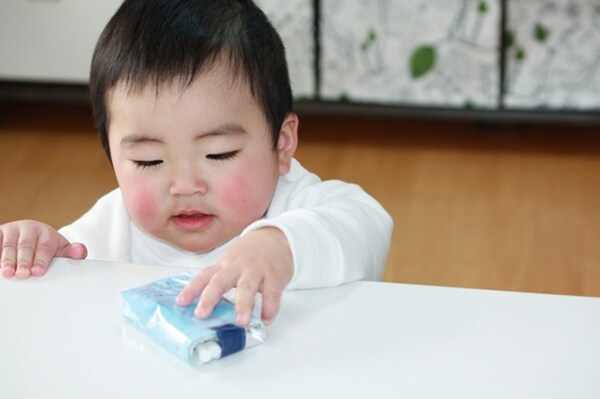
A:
(28, 246)
(260, 261)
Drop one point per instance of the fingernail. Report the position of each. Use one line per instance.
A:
(8, 272)
(241, 319)
(200, 312)
(22, 273)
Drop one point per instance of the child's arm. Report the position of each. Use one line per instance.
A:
(337, 234)
(28, 246)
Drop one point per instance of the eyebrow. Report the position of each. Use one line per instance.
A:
(228, 129)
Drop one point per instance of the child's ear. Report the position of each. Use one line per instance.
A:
(287, 142)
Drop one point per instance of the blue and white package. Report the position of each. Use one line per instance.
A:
(152, 310)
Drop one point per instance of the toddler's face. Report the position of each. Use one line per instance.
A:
(195, 165)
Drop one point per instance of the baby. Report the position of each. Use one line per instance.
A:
(193, 107)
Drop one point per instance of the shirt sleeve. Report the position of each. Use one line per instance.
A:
(337, 233)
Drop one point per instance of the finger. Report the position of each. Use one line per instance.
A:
(219, 284)
(26, 247)
(42, 260)
(194, 288)
(8, 257)
(271, 300)
(244, 300)
(44, 252)
(76, 250)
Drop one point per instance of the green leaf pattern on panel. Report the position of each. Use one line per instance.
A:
(541, 33)
(520, 54)
(422, 60)
(509, 38)
(511, 45)
(369, 40)
(482, 7)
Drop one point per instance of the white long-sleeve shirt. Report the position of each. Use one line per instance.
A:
(337, 233)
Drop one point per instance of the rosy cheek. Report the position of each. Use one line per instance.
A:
(233, 192)
(242, 198)
(142, 205)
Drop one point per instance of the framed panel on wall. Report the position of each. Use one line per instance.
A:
(553, 54)
(420, 52)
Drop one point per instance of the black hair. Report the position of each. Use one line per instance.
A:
(162, 42)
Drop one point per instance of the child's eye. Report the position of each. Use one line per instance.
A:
(147, 164)
(222, 157)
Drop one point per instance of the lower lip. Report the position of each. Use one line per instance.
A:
(193, 223)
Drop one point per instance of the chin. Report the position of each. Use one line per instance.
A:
(197, 245)
(195, 248)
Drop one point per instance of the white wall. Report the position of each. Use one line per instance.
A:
(53, 40)
(50, 40)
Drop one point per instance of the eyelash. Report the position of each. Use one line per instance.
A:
(147, 164)
(215, 157)
(223, 157)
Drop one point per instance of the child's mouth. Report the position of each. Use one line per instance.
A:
(192, 222)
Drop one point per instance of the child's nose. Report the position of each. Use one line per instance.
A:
(187, 181)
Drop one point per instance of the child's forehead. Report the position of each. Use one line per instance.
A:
(227, 79)
(217, 92)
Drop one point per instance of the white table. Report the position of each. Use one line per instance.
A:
(61, 336)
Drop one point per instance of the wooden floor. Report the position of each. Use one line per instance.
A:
(474, 206)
